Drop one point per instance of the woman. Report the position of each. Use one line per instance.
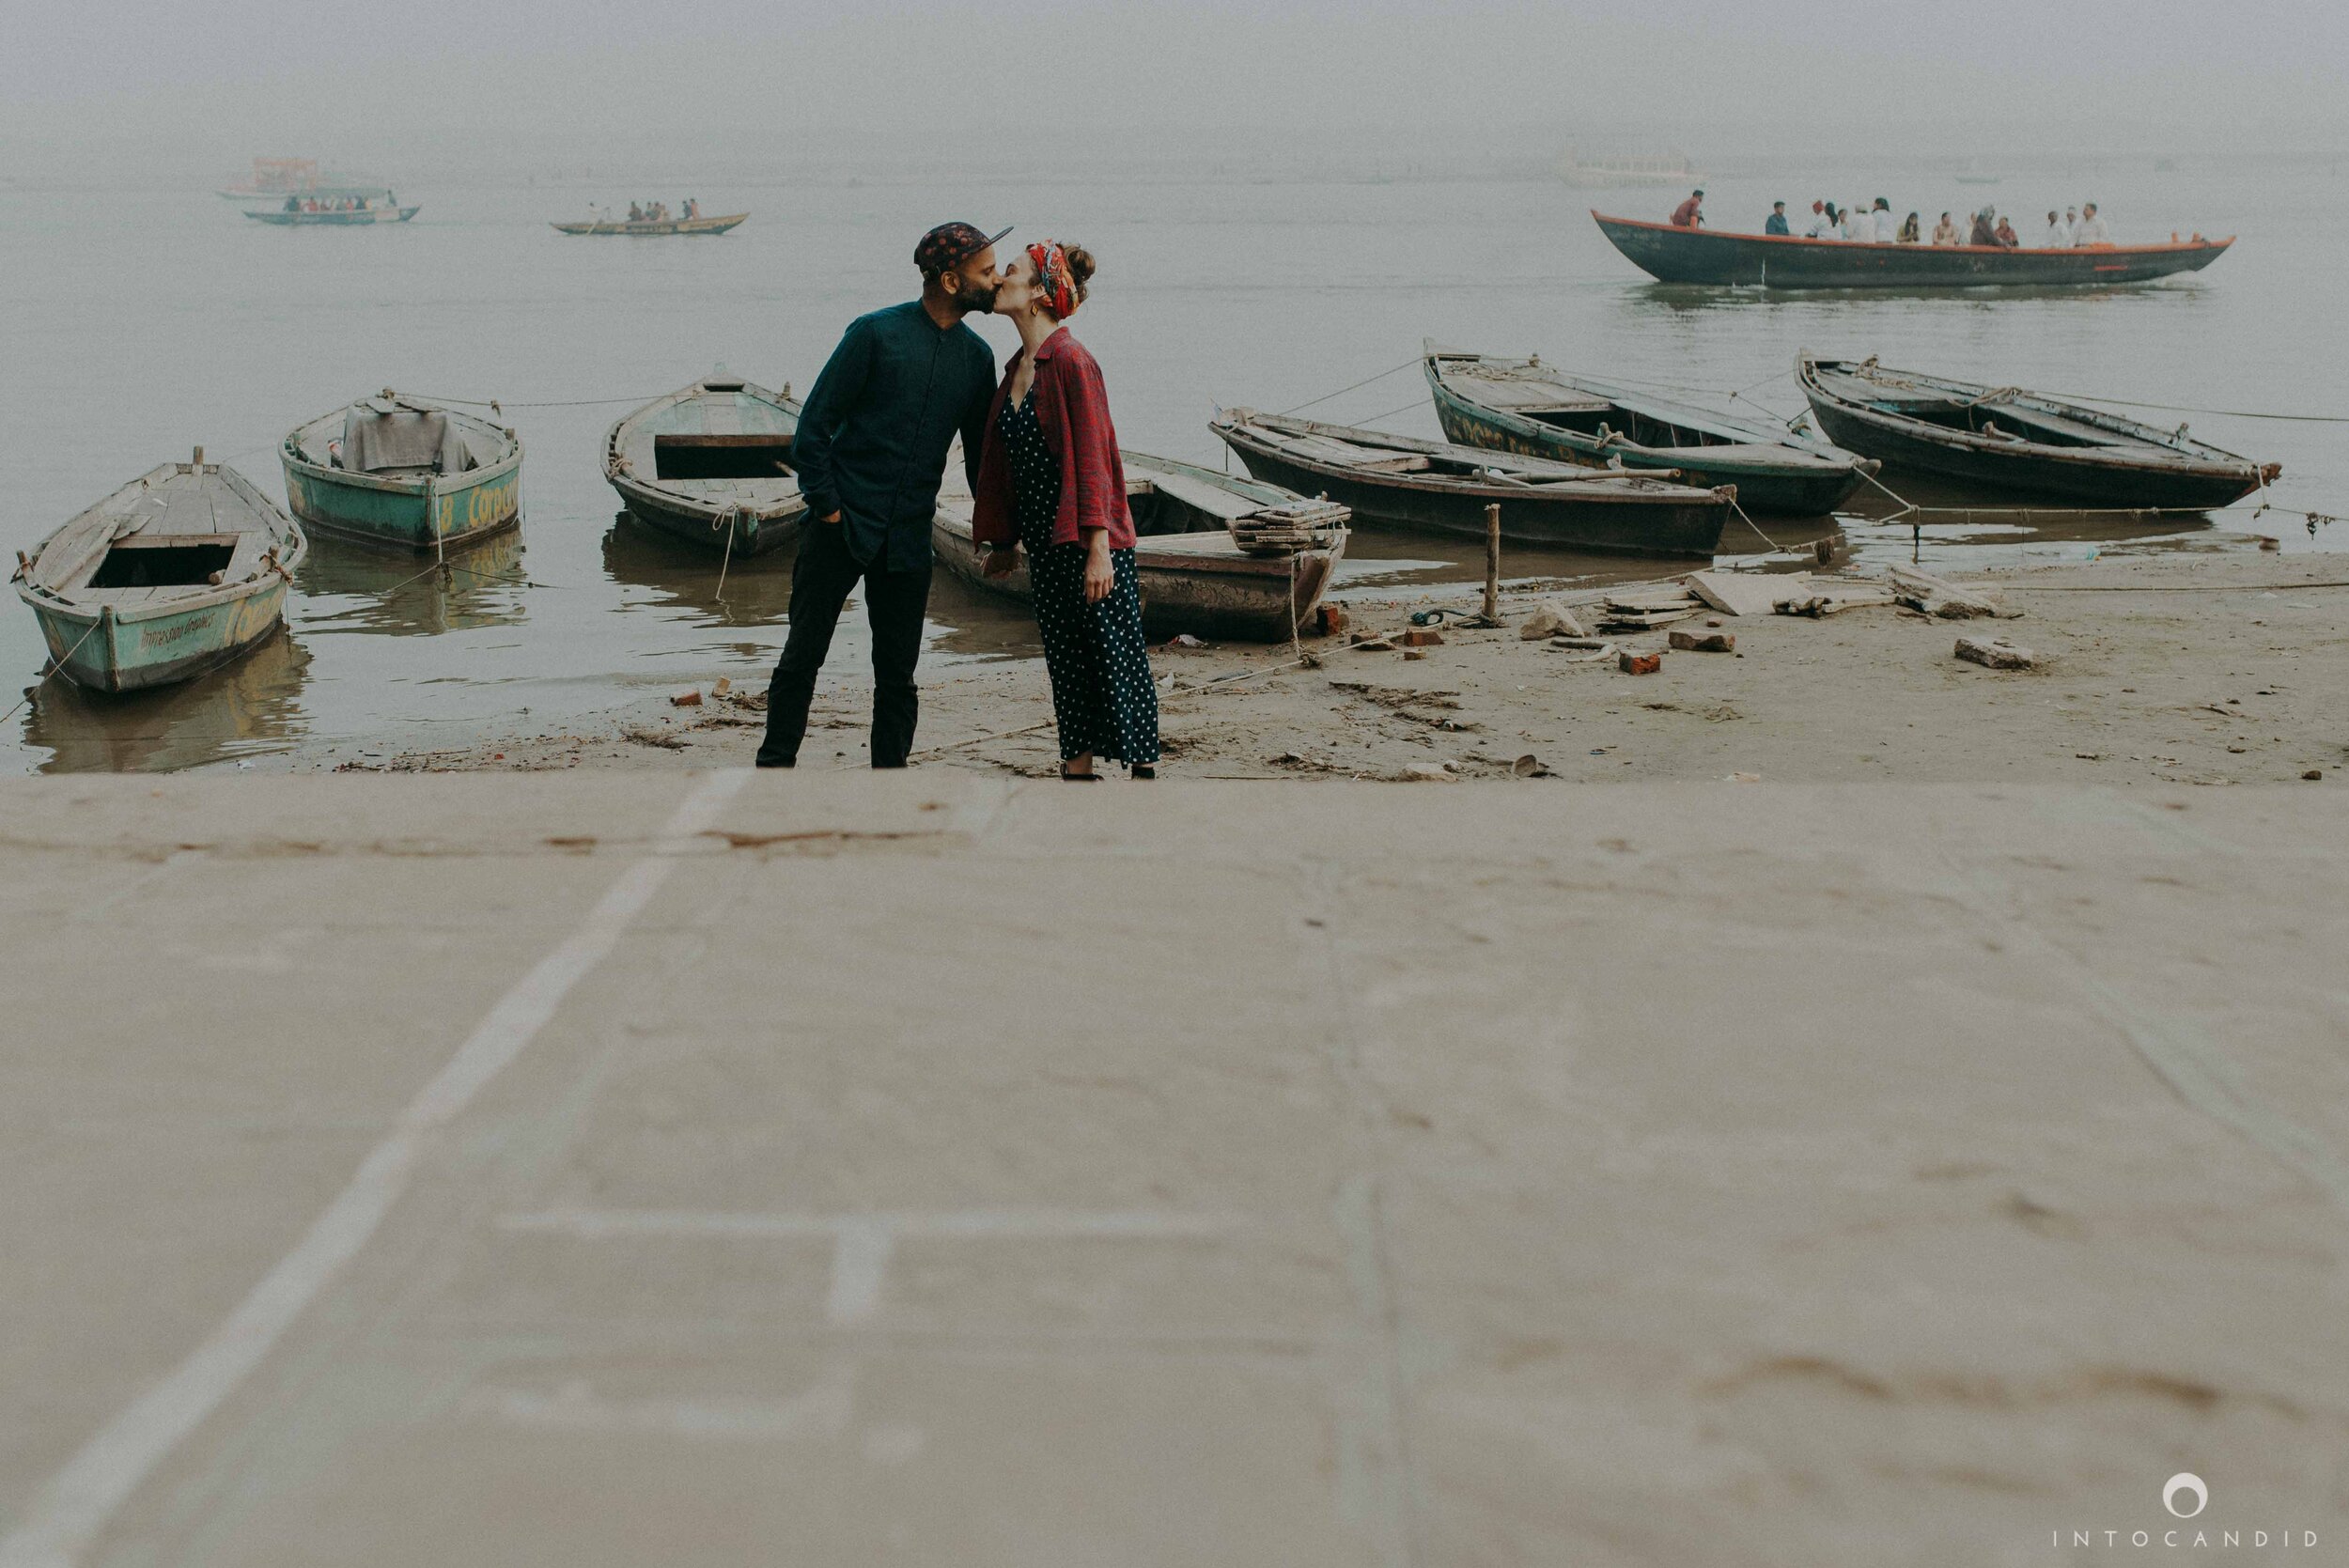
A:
(1908, 229)
(1049, 480)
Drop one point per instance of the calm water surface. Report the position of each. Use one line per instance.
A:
(140, 326)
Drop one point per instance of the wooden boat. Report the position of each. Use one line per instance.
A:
(176, 573)
(664, 226)
(404, 473)
(2013, 440)
(1789, 261)
(710, 464)
(1196, 550)
(1429, 483)
(1522, 405)
(350, 218)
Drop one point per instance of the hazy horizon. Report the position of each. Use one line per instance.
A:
(144, 95)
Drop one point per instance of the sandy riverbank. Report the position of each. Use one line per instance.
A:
(2204, 669)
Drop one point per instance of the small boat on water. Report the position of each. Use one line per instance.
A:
(1217, 555)
(1522, 405)
(2008, 439)
(1430, 484)
(1789, 261)
(710, 464)
(652, 228)
(176, 573)
(348, 217)
(405, 474)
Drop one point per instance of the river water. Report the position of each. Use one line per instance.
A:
(144, 324)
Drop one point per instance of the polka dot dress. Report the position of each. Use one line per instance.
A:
(1095, 655)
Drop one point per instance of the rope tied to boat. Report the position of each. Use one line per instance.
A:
(56, 665)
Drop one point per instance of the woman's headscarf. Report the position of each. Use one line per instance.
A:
(1052, 275)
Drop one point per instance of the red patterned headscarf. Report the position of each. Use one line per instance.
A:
(1052, 275)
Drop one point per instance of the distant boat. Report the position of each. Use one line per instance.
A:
(346, 218)
(710, 465)
(1432, 485)
(174, 574)
(1203, 551)
(1606, 173)
(275, 178)
(2011, 439)
(1522, 405)
(404, 473)
(1787, 261)
(643, 228)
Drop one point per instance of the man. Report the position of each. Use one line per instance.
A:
(1689, 214)
(1822, 223)
(1888, 227)
(2005, 233)
(2071, 225)
(1982, 233)
(2092, 230)
(870, 452)
(1776, 223)
(2058, 236)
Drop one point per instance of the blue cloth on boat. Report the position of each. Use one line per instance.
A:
(874, 433)
(1776, 224)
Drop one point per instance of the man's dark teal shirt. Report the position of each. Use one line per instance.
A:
(875, 430)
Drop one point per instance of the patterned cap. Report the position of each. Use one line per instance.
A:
(949, 243)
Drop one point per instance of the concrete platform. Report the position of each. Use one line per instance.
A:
(610, 1170)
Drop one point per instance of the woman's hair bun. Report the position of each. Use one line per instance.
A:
(1079, 266)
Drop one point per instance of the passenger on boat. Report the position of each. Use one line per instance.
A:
(1775, 222)
(870, 451)
(1860, 223)
(635, 213)
(1909, 229)
(293, 204)
(1888, 227)
(2071, 225)
(1982, 233)
(2006, 234)
(1945, 232)
(1689, 214)
(1051, 480)
(1822, 223)
(2058, 236)
(2092, 230)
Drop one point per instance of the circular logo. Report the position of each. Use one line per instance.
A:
(2185, 1481)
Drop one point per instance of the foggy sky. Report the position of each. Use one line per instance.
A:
(173, 90)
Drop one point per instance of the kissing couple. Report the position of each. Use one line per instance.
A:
(1041, 457)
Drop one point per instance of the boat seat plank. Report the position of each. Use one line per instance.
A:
(1203, 496)
(721, 415)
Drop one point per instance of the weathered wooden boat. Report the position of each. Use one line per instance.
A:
(643, 228)
(404, 473)
(1522, 405)
(1790, 261)
(710, 464)
(1430, 484)
(347, 218)
(176, 573)
(1201, 551)
(2011, 439)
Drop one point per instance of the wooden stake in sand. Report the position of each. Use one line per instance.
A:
(1492, 561)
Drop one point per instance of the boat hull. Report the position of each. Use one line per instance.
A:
(113, 654)
(448, 511)
(669, 227)
(1600, 525)
(1783, 261)
(1794, 489)
(336, 220)
(707, 527)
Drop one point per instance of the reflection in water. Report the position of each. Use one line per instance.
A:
(250, 708)
(344, 588)
(757, 588)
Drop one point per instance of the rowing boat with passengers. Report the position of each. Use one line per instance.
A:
(2011, 439)
(644, 228)
(1677, 255)
(1522, 405)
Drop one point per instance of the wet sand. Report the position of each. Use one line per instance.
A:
(2207, 669)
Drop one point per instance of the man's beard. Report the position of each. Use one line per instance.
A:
(975, 298)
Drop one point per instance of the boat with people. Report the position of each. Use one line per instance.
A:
(654, 227)
(710, 465)
(358, 212)
(1675, 254)
(178, 573)
(1444, 487)
(1217, 554)
(1508, 404)
(2009, 438)
(403, 474)
(275, 178)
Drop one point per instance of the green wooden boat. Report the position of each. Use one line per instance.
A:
(710, 465)
(1524, 406)
(176, 573)
(404, 473)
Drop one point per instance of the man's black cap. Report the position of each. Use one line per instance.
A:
(951, 243)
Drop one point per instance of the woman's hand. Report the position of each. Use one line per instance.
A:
(1100, 579)
(998, 560)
